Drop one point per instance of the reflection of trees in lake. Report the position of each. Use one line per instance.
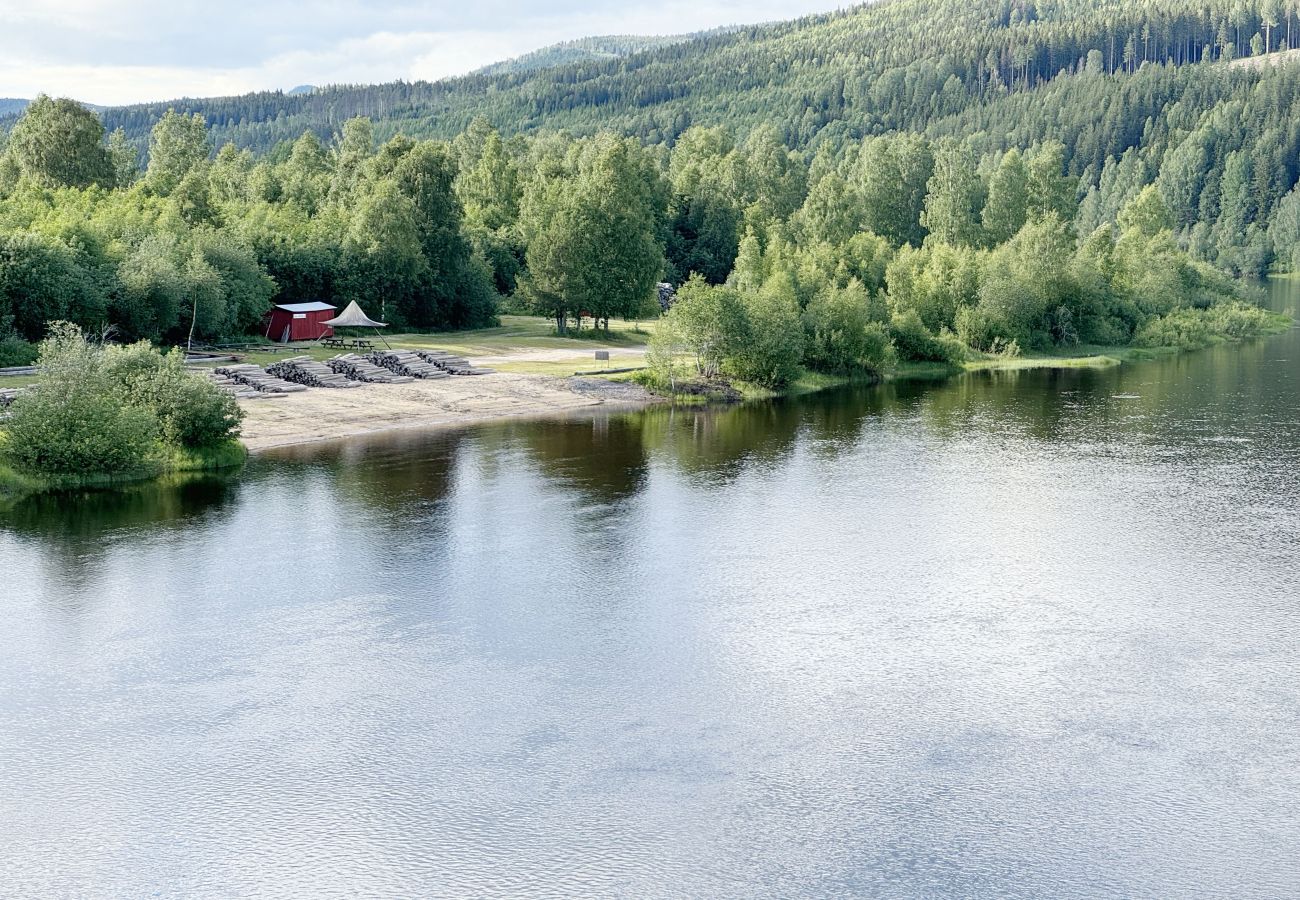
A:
(602, 455)
(392, 474)
(73, 528)
(720, 441)
(1039, 404)
(86, 515)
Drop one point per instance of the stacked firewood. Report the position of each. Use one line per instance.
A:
(449, 362)
(238, 389)
(307, 371)
(258, 379)
(362, 369)
(406, 362)
(8, 396)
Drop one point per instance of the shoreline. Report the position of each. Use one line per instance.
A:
(321, 415)
(176, 463)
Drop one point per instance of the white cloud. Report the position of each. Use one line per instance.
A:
(127, 51)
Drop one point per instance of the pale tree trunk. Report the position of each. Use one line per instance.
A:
(194, 317)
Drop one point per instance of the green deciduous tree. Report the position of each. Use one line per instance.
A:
(953, 198)
(176, 145)
(892, 173)
(772, 345)
(1051, 191)
(59, 143)
(592, 244)
(1008, 201)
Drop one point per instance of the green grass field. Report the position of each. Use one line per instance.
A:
(515, 334)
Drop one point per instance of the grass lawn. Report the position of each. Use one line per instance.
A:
(515, 334)
(17, 381)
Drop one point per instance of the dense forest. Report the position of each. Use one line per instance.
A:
(582, 50)
(922, 177)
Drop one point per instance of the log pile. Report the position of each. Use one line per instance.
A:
(406, 362)
(8, 396)
(306, 371)
(449, 362)
(362, 369)
(230, 385)
(258, 379)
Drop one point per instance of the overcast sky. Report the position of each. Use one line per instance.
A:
(128, 51)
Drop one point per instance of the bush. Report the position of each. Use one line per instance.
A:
(841, 338)
(192, 412)
(914, 342)
(112, 411)
(14, 351)
(1193, 329)
(770, 353)
(77, 429)
(706, 321)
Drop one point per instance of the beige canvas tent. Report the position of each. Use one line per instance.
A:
(354, 317)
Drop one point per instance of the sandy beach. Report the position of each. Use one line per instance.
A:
(322, 414)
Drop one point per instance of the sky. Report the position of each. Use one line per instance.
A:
(130, 51)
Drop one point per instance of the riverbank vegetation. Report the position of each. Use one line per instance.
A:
(1028, 182)
(104, 414)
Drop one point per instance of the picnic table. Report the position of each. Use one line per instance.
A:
(348, 343)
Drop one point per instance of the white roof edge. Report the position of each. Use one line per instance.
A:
(315, 306)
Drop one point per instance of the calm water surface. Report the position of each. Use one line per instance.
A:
(1021, 634)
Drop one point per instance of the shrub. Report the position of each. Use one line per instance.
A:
(914, 342)
(706, 321)
(1238, 321)
(772, 347)
(78, 429)
(841, 337)
(73, 422)
(112, 411)
(192, 412)
(1193, 329)
(14, 351)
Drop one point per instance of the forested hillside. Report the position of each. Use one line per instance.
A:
(1120, 85)
(918, 179)
(589, 49)
(899, 64)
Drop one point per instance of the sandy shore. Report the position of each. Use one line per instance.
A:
(321, 414)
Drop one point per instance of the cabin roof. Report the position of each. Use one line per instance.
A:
(315, 306)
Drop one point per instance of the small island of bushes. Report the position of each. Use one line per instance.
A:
(103, 414)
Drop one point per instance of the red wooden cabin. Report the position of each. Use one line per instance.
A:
(299, 322)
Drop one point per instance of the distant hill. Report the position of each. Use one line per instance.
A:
(301, 89)
(11, 105)
(1101, 76)
(583, 50)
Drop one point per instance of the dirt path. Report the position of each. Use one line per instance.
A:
(321, 414)
(629, 355)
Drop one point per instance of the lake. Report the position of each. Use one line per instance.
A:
(1026, 633)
